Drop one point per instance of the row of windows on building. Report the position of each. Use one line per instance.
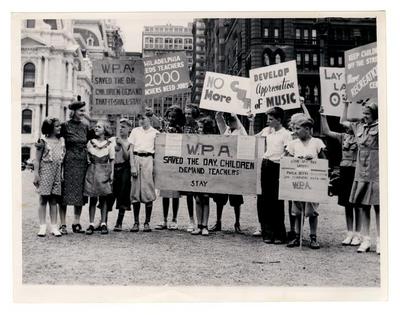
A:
(167, 29)
(304, 34)
(168, 43)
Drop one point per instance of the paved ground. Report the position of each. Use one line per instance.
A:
(178, 258)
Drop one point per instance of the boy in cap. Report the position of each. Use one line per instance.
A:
(309, 148)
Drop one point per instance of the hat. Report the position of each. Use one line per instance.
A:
(76, 105)
(125, 121)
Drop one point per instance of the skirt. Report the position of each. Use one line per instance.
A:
(98, 180)
(142, 187)
(74, 180)
(365, 193)
(50, 179)
(345, 184)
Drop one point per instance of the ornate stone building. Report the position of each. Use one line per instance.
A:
(53, 72)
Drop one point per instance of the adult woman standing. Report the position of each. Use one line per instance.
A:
(365, 189)
(76, 135)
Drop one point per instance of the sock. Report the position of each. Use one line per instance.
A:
(149, 209)
(120, 218)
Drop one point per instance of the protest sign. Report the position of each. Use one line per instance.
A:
(117, 86)
(166, 74)
(274, 85)
(208, 163)
(303, 180)
(361, 72)
(226, 93)
(333, 89)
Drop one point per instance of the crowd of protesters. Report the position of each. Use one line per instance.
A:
(76, 164)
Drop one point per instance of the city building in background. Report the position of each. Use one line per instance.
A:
(198, 70)
(164, 39)
(54, 72)
(99, 39)
(234, 46)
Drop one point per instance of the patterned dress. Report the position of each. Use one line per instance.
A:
(51, 167)
(75, 134)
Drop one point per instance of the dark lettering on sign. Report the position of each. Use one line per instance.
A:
(116, 68)
(301, 185)
(206, 148)
(202, 149)
(216, 97)
(224, 149)
(198, 183)
(281, 100)
(173, 160)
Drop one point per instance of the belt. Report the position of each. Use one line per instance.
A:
(144, 154)
(122, 165)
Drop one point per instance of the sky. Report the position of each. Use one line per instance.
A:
(131, 30)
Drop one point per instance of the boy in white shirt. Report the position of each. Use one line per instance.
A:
(309, 148)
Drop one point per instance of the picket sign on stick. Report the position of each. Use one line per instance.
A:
(274, 85)
(226, 93)
(303, 180)
(166, 74)
(361, 72)
(333, 89)
(301, 228)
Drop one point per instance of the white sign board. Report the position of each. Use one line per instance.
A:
(333, 88)
(226, 93)
(303, 180)
(274, 85)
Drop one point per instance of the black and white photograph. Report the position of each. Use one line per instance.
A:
(200, 150)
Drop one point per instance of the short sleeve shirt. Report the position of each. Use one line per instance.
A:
(143, 141)
(276, 144)
(300, 149)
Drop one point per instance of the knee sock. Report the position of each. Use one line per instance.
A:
(149, 209)
(136, 212)
(121, 215)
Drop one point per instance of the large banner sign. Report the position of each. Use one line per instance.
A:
(166, 74)
(274, 85)
(303, 180)
(226, 93)
(333, 89)
(117, 86)
(362, 72)
(208, 163)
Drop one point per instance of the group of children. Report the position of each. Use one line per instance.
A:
(121, 169)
